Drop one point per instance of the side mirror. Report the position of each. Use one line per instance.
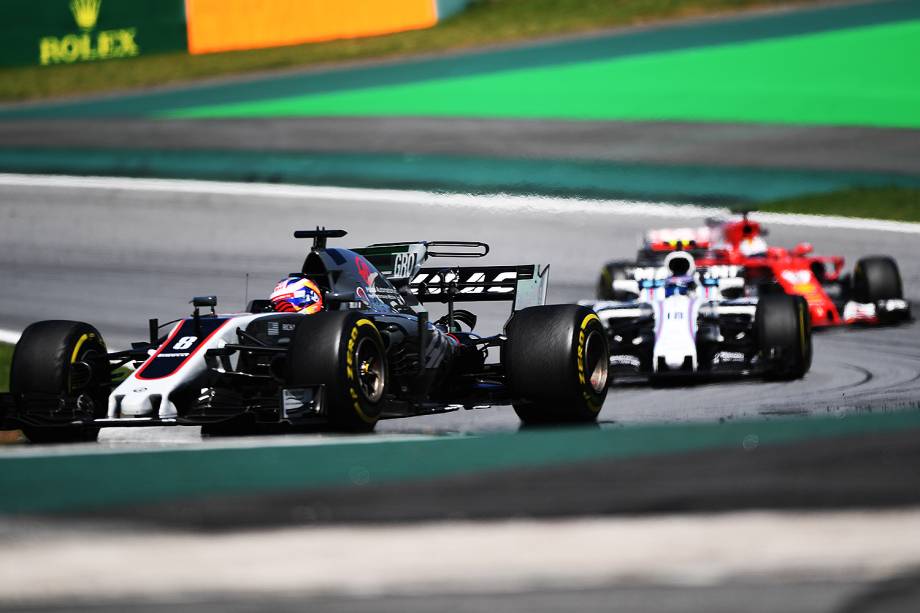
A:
(803, 249)
(345, 300)
(204, 301)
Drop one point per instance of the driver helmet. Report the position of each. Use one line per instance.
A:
(681, 267)
(297, 295)
(752, 246)
(680, 264)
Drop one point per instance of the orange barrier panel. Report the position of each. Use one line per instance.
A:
(226, 25)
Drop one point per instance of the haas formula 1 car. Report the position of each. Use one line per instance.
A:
(872, 294)
(370, 354)
(680, 319)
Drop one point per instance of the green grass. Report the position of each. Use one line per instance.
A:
(485, 22)
(892, 203)
(6, 355)
(843, 77)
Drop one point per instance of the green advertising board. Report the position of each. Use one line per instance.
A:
(49, 32)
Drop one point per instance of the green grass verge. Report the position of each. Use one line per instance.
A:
(485, 22)
(6, 355)
(841, 77)
(892, 203)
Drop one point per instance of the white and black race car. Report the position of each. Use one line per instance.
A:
(680, 320)
(371, 354)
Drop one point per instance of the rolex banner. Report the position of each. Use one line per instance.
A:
(50, 32)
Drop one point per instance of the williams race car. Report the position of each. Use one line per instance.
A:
(369, 353)
(872, 294)
(678, 319)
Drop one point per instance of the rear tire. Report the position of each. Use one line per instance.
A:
(784, 332)
(49, 359)
(877, 278)
(613, 271)
(343, 351)
(557, 360)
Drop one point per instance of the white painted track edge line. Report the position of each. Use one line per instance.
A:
(9, 336)
(255, 443)
(507, 201)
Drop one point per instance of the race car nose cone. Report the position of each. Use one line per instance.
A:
(136, 405)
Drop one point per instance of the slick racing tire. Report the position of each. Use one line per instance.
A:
(877, 278)
(613, 271)
(344, 352)
(62, 358)
(556, 358)
(784, 333)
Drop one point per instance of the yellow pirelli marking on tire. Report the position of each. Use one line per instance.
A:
(355, 398)
(802, 329)
(581, 360)
(79, 345)
(76, 352)
(349, 354)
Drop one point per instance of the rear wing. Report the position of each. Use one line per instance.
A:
(677, 239)
(402, 264)
(524, 286)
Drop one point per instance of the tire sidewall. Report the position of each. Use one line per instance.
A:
(590, 328)
(784, 327)
(42, 362)
(366, 412)
(324, 352)
(546, 360)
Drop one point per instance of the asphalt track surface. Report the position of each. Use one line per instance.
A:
(115, 256)
(717, 144)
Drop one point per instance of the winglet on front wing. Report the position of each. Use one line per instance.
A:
(881, 312)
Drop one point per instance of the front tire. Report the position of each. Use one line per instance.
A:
(343, 351)
(784, 333)
(62, 358)
(877, 278)
(614, 271)
(557, 358)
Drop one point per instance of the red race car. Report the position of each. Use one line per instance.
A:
(871, 294)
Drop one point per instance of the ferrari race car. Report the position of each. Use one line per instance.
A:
(872, 294)
(679, 319)
(371, 354)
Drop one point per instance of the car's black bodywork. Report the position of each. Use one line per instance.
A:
(429, 367)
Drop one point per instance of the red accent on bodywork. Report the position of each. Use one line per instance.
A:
(140, 371)
(364, 269)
